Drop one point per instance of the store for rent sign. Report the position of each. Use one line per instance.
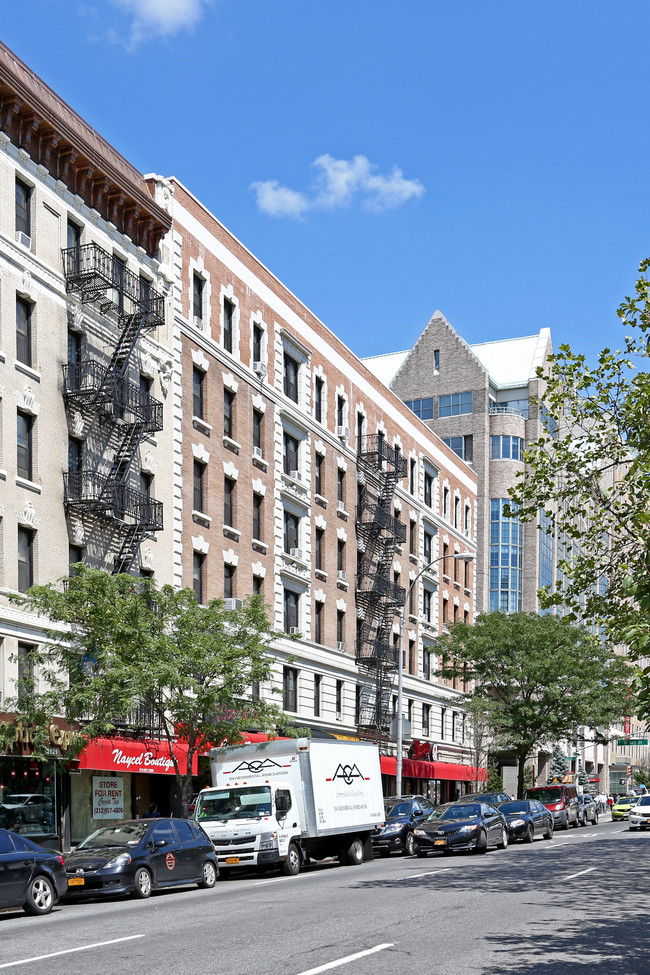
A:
(108, 797)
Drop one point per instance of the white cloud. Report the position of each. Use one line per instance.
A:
(337, 183)
(159, 18)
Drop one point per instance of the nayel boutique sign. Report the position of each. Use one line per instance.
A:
(133, 755)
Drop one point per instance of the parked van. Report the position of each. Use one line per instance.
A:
(561, 800)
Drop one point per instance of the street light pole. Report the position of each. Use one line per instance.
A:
(466, 557)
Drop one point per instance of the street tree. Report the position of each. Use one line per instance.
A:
(557, 765)
(120, 648)
(541, 676)
(590, 475)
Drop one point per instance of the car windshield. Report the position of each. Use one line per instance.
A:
(545, 795)
(397, 810)
(245, 803)
(465, 810)
(625, 801)
(514, 807)
(120, 834)
(642, 801)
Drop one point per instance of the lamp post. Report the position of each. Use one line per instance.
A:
(465, 557)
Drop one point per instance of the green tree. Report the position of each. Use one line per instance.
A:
(542, 675)
(557, 766)
(590, 474)
(124, 647)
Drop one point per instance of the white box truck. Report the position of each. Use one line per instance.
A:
(285, 801)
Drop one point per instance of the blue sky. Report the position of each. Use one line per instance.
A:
(385, 159)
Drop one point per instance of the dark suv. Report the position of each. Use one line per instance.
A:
(492, 797)
(403, 814)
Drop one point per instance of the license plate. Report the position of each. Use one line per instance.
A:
(232, 859)
(440, 842)
(76, 881)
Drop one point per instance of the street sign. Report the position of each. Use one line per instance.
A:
(632, 741)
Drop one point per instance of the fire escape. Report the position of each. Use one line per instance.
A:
(378, 596)
(101, 390)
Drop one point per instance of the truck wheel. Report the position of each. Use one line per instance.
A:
(353, 855)
(291, 866)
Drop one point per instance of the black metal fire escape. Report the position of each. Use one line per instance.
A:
(127, 415)
(378, 596)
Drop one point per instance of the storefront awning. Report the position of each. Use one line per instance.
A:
(412, 769)
(134, 755)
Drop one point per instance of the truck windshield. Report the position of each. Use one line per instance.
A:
(245, 803)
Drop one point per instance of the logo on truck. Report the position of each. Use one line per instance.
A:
(255, 768)
(348, 773)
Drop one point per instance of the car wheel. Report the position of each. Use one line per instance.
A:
(530, 833)
(209, 875)
(482, 842)
(40, 896)
(502, 844)
(291, 866)
(584, 821)
(575, 823)
(409, 845)
(548, 833)
(142, 881)
(565, 824)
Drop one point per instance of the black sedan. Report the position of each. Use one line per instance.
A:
(588, 812)
(527, 818)
(31, 877)
(462, 826)
(403, 813)
(140, 855)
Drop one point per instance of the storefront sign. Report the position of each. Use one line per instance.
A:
(108, 798)
(133, 755)
(60, 737)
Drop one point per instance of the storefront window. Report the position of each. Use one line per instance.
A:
(29, 797)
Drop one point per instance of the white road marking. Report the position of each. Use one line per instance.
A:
(431, 873)
(69, 951)
(579, 873)
(346, 960)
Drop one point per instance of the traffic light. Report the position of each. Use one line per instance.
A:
(629, 771)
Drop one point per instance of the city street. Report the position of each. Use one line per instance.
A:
(557, 906)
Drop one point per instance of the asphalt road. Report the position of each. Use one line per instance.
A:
(576, 903)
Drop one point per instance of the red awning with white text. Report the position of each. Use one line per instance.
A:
(134, 755)
(412, 769)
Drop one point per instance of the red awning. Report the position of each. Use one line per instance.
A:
(413, 769)
(134, 755)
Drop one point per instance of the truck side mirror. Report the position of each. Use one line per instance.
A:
(282, 803)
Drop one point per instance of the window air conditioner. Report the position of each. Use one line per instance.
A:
(341, 505)
(342, 432)
(259, 368)
(294, 631)
(341, 574)
(23, 239)
(340, 645)
(295, 553)
(296, 475)
(198, 321)
(257, 452)
(231, 604)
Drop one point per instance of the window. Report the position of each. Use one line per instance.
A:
(75, 346)
(340, 626)
(291, 610)
(340, 411)
(146, 484)
(319, 622)
(25, 559)
(445, 559)
(412, 475)
(258, 585)
(426, 664)
(339, 700)
(340, 488)
(468, 519)
(318, 479)
(412, 537)
(229, 502)
(228, 581)
(443, 722)
(290, 377)
(428, 489)
(340, 556)
(506, 559)
(445, 611)
(506, 448)
(426, 720)
(198, 564)
(454, 404)
(144, 286)
(421, 407)
(317, 691)
(199, 485)
(289, 454)
(197, 298)
(228, 412)
(75, 555)
(319, 386)
(426, 604)
(24, 457)
(23, 208)
(427, 546)
(119, 276)
(74, 244)
(445, 503)
(228, 322)
(436, 360)
(258, 339)
(456, 512)
(26, 672)
(198, 401)
(257, 430)
(320, 546)
(291, 532)
(463, 447)
(290, 689)
(257, 517)
(24, 332)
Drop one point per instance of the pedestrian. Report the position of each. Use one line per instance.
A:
(610, 802)
(152, 812)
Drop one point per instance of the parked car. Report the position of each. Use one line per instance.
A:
(403, 813)
(640, 813)
(27, 809)
(526, 819)
(622, 806)
(588, 809)
(30, 876)
(141, 855)
(461, 826)
(561, 800)
(492, 797)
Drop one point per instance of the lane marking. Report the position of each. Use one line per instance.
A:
(346, 960)
(580, 873)
(69, 951)
(431, 873)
